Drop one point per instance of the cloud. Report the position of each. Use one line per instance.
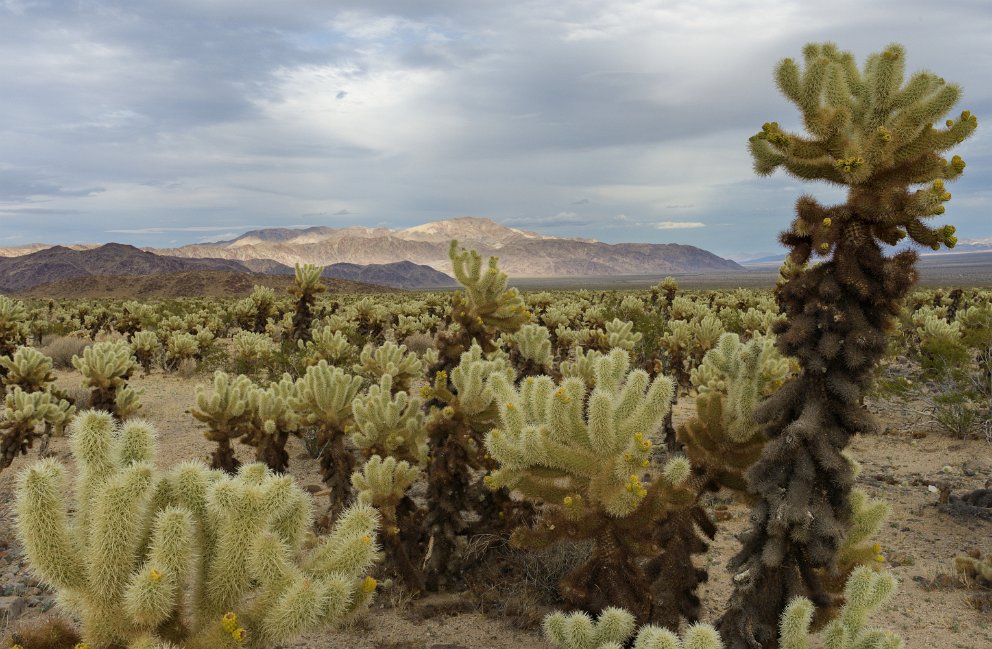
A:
(199, 228)
(679, 225)
(141, 119)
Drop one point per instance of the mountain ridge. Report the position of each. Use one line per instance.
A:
(522, 253)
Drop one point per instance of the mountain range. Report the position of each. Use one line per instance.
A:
(100, 265)
(521, 253)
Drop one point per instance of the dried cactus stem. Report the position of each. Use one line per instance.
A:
(336, 466)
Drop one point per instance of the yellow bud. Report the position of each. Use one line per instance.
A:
(426, 392)
(154, 575)
(239, 634)
(877, 548)
(824, 247)
(366, 539)
(81, 645)
(509, 405)
(827, 222)
(568, 501)
(880, 558)
(628, 457)
(644, 462)
(949, 122)
(369, 584)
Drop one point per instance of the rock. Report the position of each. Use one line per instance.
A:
(11, 607)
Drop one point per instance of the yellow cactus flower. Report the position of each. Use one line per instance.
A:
(239, 634)
(369, 584)
(154, 575)
(827, 222)
(568, 501)
(229, 622)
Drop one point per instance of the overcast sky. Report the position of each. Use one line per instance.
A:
(165, 122)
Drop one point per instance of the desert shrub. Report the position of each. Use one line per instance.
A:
(61, 349)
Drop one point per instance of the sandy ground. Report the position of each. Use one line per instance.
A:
(899, 465)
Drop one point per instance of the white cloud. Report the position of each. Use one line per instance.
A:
(679, 225)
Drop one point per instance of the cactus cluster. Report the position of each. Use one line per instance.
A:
(186, 556)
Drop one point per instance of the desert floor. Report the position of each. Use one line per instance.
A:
(903, 465)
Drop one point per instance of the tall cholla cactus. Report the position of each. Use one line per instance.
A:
(305, 289)
(106, 367)
(585, 454)
(23, 413)
(187, 558)
(484, 309)
(872, 134)
(463, 409)
(324, 396)
(723, 437)
(383, 483)
(28, 369)
(226, 412)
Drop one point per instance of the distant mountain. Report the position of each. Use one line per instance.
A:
(192, 283)
(400, 274)
(522, 253)
(113, 259)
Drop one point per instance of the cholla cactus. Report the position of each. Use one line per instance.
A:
(583, 366)
(383, 483)
(327, 344)
(532, 350)
(186, 558)
(464, 409)
(584, 453)
(864, 593)
(106, 367)
(273, 420)
(23, 413)
(664, 291)
(261, 306)
(324, 396)
(13, 326)
(27, 369)
(390, 424)
(181, 346)
(724, 438)
(872, 134)
(975, 567)
(392, 360)
(614, 629)
(305, 289)
(618, 335)
(252, 351)
(484, 309)
(145, 347)
(226, 412)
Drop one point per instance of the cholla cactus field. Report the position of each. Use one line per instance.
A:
(659, 467)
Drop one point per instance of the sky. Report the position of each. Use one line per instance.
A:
(167, 122)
